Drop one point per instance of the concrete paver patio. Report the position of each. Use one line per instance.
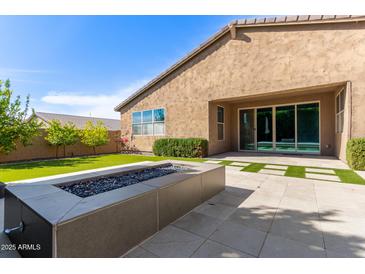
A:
(272, 172)
(322, 177)
(260, 215)
(318, 170)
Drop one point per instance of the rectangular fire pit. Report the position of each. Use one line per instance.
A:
(105, 213)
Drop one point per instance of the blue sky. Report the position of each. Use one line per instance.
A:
(86, 65)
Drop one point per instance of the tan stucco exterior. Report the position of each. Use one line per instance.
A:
(304, 62)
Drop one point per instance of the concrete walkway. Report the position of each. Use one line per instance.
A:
(261, 215)
(268, 216)
(296, 160)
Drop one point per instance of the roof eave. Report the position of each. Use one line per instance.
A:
(298, 21)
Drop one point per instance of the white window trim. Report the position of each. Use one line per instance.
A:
(338, 111)
(152, 122)
(221, 123)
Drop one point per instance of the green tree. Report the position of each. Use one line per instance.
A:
(94, 135)
(14, 125)
(61, 135)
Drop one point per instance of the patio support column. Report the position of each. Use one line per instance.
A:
(274, 128)
(296, 127)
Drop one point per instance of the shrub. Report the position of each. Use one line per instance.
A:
(181, 147)
(355, 153)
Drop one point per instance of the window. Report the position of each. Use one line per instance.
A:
(340, 110)
(220, 122)
(148, 122)
(147, 126)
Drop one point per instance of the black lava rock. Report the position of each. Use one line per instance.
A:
(95, 186)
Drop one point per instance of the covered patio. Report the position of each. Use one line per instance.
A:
(304, 121)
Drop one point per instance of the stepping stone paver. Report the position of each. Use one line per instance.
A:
(215, 210)
(139, 252)
(239, 164)
(327, 171)
(279, 247)
(212, 249)
(256, 217)
(272, 172)
(239, 237)
(199, 224)
(229, 199)
(173, 242)
(212, 162)
(276, 167)
(322, 177)
(301, 228)
(235, 168)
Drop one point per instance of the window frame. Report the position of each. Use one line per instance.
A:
(221, 123)
(153, 122)
(340, 113)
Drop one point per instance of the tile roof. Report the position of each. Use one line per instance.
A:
(251, 22)
(296, 19)
(79, 121)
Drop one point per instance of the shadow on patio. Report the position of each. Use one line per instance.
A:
(241, 222)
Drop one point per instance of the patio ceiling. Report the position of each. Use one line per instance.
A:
(284, 93)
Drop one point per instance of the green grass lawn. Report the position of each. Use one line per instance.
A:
(29, 170)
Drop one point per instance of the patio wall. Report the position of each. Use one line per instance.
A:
(40, 149)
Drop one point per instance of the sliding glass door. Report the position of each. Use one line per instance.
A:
(308, 127)
(286, 128)
(264, 129)
(247, 129)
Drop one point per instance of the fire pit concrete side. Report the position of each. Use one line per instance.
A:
(180, 193)
(178, 199)
(213, 182)
(109, 232)
(110, 223)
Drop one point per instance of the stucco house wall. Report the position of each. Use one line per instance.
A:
(258, 60)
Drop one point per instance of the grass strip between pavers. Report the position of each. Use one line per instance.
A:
(225, 163)
(254, 167)
(295, 171)
(346, 175)
(349, 176)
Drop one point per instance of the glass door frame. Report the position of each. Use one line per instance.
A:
(274, 127)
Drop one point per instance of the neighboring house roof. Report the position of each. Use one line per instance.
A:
(79, 121)
(245, 23)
